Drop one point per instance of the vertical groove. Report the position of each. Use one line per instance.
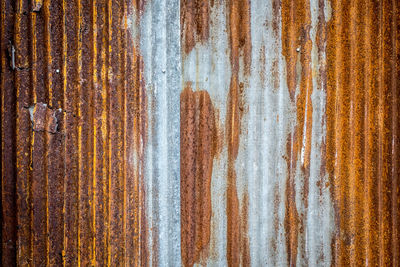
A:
(21, 40)
(64, 105)
(109, 163)
(93, 96)
(100, 104)
(72, 120)
(116, 131)
(56, 153)
(123, 49)
(78, 103)
(379, 122)
(356, 132)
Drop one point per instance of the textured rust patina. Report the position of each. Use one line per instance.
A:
(74, 121)
(362, 116)
(136, 119)
(296, 48)
(240, 45)
(73, 114)
(198, 149)
(195, 16)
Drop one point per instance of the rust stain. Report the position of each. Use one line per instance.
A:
(362, 131)
(296, 48)
(198, 149)
(195, 16)
(240, 44)
(239, 34)
(292, 218)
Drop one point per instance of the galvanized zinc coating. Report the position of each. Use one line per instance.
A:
(220, 133)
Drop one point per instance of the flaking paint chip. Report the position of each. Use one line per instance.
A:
(43, 118)
(37, 5)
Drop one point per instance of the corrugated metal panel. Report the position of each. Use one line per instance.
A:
(172, 133)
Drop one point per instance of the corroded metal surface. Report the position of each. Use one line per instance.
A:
(200, 132)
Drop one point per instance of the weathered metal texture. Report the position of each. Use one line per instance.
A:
(301, 98)
(227, 133)
(83, 128)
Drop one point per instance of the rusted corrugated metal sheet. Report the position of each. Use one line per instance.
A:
(226, 133)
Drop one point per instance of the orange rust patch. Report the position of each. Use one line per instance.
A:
(296, 48)
(362, 131)
(198, 148)
(240, 35)
(195, 16)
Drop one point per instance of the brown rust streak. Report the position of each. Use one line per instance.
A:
(195, 16)
(296, 48)
(117, 143)
(85, 133)
(39, 142)
(100, 134)
(292, 218)
(240, 44)
(24, 134)
(136, 141)
(71, 118)
(56, 168)
(198, 149)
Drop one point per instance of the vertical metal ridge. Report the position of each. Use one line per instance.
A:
(63, 127)
(100, 133)
(385, 144)
(93, 97)
(174, 81)
(56, 153)
(116, 212)
(395, 136)
(108, 119)
(72, 120)
(356, 128)
(124, 124)
(24, 137)
(39, 142)
(368, 133)
(85, 129)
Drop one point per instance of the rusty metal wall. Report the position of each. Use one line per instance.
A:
(200, 132)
